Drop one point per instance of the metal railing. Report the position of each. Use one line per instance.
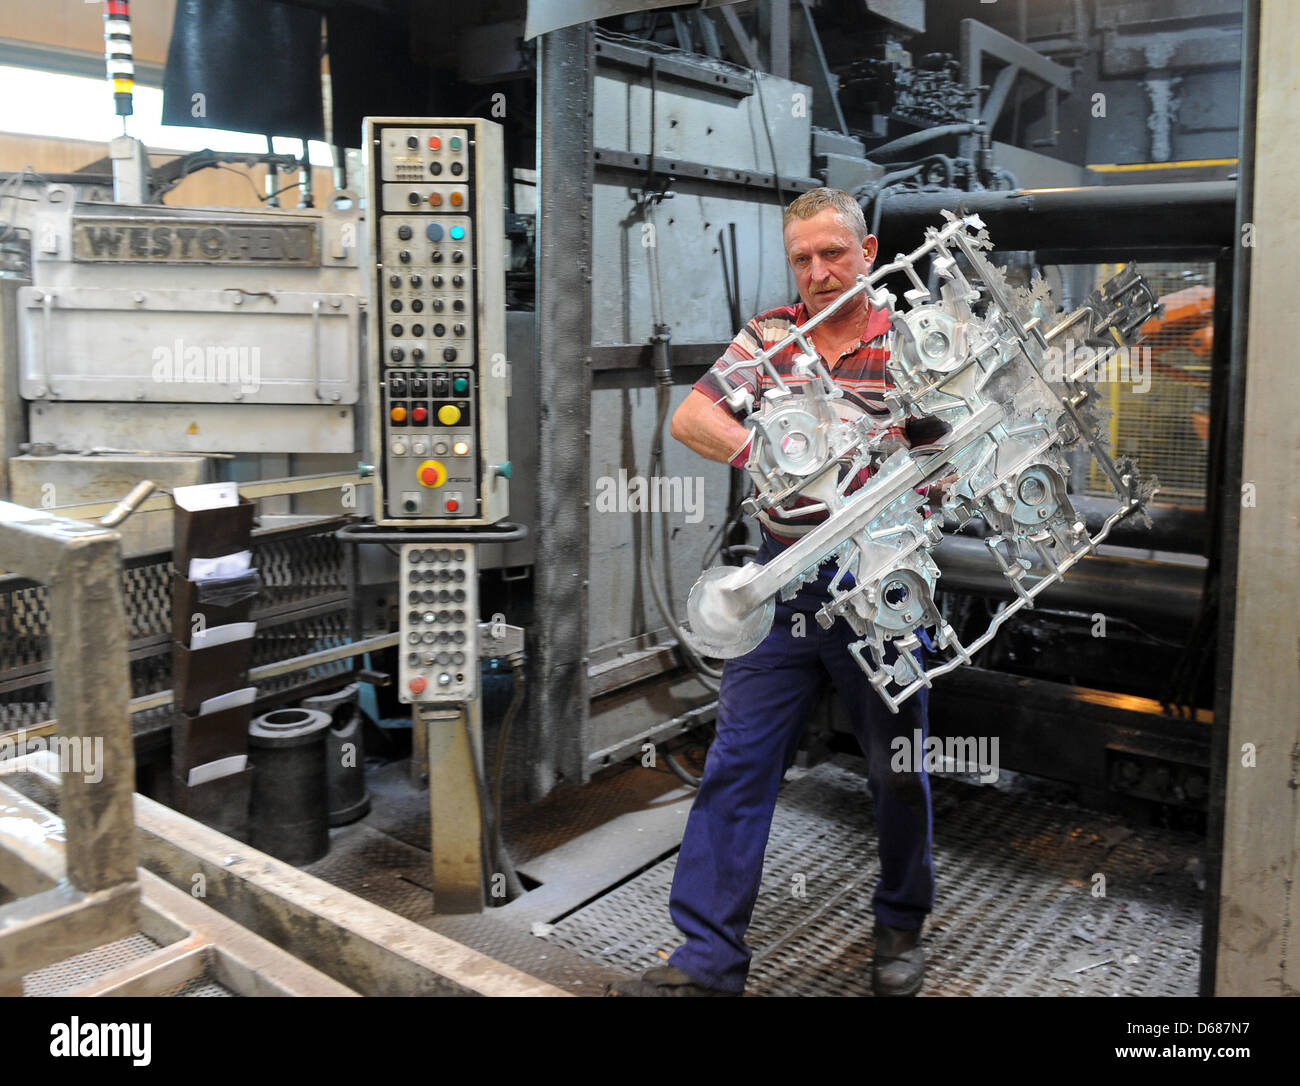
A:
(94, 897)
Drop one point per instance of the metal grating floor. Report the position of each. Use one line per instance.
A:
(1015, 909)
(201, 986)
(1015, 913)
(78, 971)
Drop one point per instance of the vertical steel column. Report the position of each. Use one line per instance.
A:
(558, 725)
(1259, 907)
(778, 15)
(1223, 511)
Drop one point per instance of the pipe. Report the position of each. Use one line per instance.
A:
(1178, 529)
(1127, 587)
(1178, 215)
(916, 139)
(129, 504)
(502, 532)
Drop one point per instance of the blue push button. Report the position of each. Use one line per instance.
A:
(457, 232)
(433, 231)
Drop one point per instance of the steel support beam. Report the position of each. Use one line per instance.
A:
(778, 37)
(979, 40)
(452, 744)
(558, 708)
(663, 166)
(825, 83)
(738, 42)
(1258, 950)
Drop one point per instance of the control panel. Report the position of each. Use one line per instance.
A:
(439, 625)
(437, 321)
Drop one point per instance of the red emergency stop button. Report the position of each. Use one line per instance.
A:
(418, 684)
(431, 473)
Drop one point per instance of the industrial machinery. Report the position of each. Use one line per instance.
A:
(981, 358)
(440, 383)
(437, 328)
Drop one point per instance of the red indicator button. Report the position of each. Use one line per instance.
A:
(431, 473)
(435, 143)
(452, 505)
(419, 414)
(418, 684)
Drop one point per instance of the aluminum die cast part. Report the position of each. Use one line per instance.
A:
(976, 357)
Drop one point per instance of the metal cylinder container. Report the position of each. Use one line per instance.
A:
(345, 754)
(290, 808)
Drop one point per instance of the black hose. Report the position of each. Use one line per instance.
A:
(707, 675)
(915, 139)
(682, 773)
(513, 882)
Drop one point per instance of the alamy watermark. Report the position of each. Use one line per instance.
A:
(82, 754)
(950, 754)
(176, 363)
(658, 494)
(1127, 366)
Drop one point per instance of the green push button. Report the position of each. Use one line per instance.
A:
(460, 385)
(504, 469)
(455, 143)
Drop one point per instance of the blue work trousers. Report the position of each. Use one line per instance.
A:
(764, 702)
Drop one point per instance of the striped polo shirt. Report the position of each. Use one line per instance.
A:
(862, 374)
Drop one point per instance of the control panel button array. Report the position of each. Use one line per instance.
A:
(438, 652)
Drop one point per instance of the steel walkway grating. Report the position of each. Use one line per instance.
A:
(1015, 909)
(201, 986)
(89, 966)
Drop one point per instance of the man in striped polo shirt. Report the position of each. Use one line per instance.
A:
(767, 695)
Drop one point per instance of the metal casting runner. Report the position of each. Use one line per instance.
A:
(985, 358)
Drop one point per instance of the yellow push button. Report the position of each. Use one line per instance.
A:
(431, 474)
(449, 414)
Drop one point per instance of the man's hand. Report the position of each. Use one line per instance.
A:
(710, 429)
(936, 491)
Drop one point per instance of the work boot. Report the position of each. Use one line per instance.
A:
(898, 966)
(665, 980)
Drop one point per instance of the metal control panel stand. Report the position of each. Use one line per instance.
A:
(439, 376)
(439, 437)
(453, 740)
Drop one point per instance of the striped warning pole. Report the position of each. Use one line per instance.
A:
(119, 56)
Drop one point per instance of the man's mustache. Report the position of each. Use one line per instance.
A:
(828, 286)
